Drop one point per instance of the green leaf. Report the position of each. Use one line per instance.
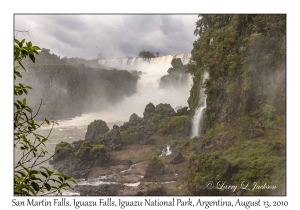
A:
(36, 48)
(31, 56)
(35, 186)
(24, 101)
(61, 179)
(29, 44)
(18, 73)
(29, 188)
(44, 174)
(16, 41)
(17, 105)
(32, 172)
(48, 187)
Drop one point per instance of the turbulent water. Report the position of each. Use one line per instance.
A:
(197, 119)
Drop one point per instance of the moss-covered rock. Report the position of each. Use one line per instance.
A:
(62, 151)
(134, 118)
(96, 128)
(175, 125)
(97, 154)
(149, 110)
(164, 110)
(177, 66)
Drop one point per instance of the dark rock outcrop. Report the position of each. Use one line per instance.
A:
(177, 76)
(101, 190)
(183, 111)
(134, 118)
(96, 128)
(177, 159)
(149, 109)
(155, 169)
(158, 191)
(62, 151)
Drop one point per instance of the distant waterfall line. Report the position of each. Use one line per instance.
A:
(131, 63)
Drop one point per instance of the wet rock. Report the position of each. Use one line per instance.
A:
(101, 161)
(155, 192)
(115, 162)
(101, 190)
(62, 151)
(164, 110)
(84, 154)
(155, 169)
(149, 110)
(177, 159)
(177, 63)
(117, 147)
(183, 111)
(134, 119)
(95, 128)
(74, 167)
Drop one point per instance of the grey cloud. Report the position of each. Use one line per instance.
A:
(114, 35)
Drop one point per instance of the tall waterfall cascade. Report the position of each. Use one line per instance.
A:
(197, 122)
(148, 88)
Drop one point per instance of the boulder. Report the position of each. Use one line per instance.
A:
(84, 154)
(134, 118)
(177, 159)
(149, 110)
(100, 190)
(177, 63)
(165, 110)
(95, 128)
(62, 151)
(155, 169)
(158, 191)
(177, 66)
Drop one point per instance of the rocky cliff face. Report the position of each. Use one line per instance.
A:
(245, 56)
(67, 91)
(177, 76)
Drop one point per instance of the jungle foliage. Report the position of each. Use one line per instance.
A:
(28, 179)
(244, 122)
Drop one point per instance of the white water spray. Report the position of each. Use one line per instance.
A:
(197, 119)
(148, 89)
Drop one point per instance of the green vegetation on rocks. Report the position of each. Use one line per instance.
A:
(244, 121)
(63, 146)
(96, 128)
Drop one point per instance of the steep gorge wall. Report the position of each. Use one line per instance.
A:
(244, 122)
(67, 91)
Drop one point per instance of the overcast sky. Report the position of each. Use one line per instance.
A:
(114, 35)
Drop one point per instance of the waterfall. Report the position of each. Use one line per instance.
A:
(148, 89)
(197, 119)
(139, 63)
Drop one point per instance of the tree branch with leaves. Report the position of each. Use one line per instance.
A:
(28, 180)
